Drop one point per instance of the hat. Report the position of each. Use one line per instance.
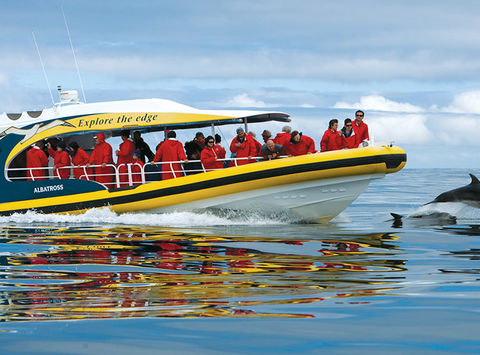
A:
(99, 136)
(61, 144)
(240, 129)
(266, 133)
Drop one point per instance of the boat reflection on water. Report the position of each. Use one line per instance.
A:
(73, 273)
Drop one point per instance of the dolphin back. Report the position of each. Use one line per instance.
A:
(470, 192)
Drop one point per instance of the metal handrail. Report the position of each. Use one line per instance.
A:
(116, 170)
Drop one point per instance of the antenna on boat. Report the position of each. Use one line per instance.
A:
(74, 56)
(43, 68)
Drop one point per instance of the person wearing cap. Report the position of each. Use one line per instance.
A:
(125, 156)
(258, 146)
(136, 168)
(332, 139)
(266, 135)
(209, 157)
(61, 159)
(79, 161)
(36, 159)
(243, 146)
(360, 128)
(102, 156)
(284, 137)
(171, 151)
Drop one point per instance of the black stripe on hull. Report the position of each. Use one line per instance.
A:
(391, 161)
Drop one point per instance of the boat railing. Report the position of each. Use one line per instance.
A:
(126, 174)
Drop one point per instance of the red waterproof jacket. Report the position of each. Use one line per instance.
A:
(246, 149)
(80, 159)
(136, 169)
(350, 141)
(36, 158)
(282, 138)
(125, 156)
(209, 158)
(125, 153)
(258, 148)
(102, 153)
(60, 159)
(295, 149)
(170, 150)
(330, 141)
(361, 131)
(310, 143)
(220, 151)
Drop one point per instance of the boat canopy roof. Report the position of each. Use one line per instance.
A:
(168, 114)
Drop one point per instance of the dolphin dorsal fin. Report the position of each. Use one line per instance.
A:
(474, 180)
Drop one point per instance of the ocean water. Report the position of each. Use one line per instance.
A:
(207, 284)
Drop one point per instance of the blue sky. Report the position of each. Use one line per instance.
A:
(411, 65)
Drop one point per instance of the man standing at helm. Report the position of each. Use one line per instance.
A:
(102, 155)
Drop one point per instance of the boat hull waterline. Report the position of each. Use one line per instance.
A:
(314, 187)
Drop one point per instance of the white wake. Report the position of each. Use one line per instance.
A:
(104, 216)
(460, 210)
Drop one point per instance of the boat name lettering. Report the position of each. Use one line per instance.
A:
(48, 188)
(145, 118)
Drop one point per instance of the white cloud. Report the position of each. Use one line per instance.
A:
(467, 102)
(243, 100)
(401, 129)
(379, 103)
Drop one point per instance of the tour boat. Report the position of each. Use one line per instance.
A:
(313, 187)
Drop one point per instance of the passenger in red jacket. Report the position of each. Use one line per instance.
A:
(309, 143)
(125, 156)
(331, 139)
(258, 146)
(80, 160)
(244, 147)
(284, 137)
(209, 157)
(136, 168)
(60, 159)
(171, 150)
(360, 127)
(219, 150)
(349, 138)
(36, 158)
(298, 146)
(102, 155)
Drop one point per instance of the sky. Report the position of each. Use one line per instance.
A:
(412, 66)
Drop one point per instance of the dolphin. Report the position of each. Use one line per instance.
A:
(469, 194)
(429, 219)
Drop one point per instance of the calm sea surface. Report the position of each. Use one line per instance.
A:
(199, 283)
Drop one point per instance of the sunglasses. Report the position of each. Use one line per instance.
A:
(210, 142)
(348, 125)
(359, 115)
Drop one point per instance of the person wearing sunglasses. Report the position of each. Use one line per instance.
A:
(349, 138)
(360, 127)
(209, 156)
